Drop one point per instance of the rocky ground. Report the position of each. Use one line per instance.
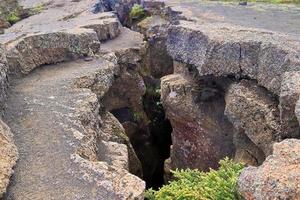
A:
(79, 95)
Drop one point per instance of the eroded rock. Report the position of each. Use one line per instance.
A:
(201, 133)
(3, 78)
(246, 151)
(221, 49)
(289, 95)
(8, 156)
(251, 108)
(73, 32)
(277, 178)
(35, 50)
(157, 61)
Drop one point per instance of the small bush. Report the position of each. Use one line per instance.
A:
(137, 12)
(13, 18)
(190, 184)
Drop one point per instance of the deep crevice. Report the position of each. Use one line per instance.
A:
(151, 142)
(160, 132)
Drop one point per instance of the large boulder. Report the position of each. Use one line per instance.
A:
(277, 178)
(8, 156)
(249, 107)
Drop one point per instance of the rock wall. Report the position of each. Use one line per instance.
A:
(3, 78)
(250, 108)
(261, 110)
(8, 156)
(201, 133)
(157, 62)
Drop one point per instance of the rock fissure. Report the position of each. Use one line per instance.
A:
(106, 106)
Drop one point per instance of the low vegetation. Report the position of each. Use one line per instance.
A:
(137, 12)
(37, 9)
(13, 18)
(190, 184)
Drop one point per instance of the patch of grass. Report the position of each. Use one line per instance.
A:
(137, 12)
(38, 9)
(190, 184)
(13, 18)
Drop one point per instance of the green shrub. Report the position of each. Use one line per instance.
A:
(13, 18)
(190, 184)
(137, 12)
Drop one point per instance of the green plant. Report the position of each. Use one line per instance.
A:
(138, 116)
(190, 184)
(13, 18)
(38, 9)
(137, 12)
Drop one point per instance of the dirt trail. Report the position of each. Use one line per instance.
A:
(43, 114)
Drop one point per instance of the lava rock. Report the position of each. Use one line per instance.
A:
(222, 49)
(8, 156)
(277, 178)
(289, 95)
(201, 133)
(249, 107)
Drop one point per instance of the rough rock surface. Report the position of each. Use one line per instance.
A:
(262, 111)
(223, 49)
(124, 97)
(73, 32)
(3, 78)
(289, 95)
(129, 88)
(246, 151)
(277, 178)
(157, 61)
(36, 50)
(85, 164)
(91, 156)
(249, 107)
(201, 133)
(8, 156)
